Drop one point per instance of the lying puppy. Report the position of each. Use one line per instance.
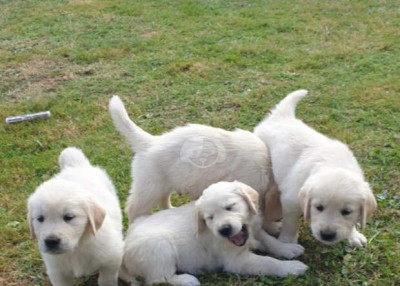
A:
(188, 159)
(77, 220)
(316, 175)
(214, 233)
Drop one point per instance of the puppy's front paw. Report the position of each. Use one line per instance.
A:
(293, 267)
(291, 250)
(357, 239)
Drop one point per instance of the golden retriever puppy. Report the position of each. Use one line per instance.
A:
(187, 160)
(214, 233)
(77, 220)
(316, 175)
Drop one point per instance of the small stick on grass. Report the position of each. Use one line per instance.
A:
(27, 117)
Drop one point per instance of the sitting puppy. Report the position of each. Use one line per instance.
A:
(214, 233)
(77, 220)
(187, 160)
(316, 175)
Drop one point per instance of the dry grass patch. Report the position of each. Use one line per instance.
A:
(150, 34)
(33, 78)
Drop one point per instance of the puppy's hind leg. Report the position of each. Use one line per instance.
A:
(143, 198)
(250, 263)
(124, 275)
(162, 267)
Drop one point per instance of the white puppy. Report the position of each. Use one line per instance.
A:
(212, 234)
(316, 175)
(187, 160)
(77, 220)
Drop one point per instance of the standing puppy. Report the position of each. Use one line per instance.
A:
(77, 220)
(215, 233)
(187, 160)
(316, 175)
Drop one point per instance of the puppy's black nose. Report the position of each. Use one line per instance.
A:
(225, 230)
(52, 242)
(328, 235)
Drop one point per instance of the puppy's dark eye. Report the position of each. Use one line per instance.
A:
(40, 218)
(210, 217)
(230, 207)
(67, 218)
(320, 208)
(345, 212)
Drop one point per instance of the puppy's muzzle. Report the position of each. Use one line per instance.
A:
(53, 244)
(238, 239)
(327, 235)
(225, 230)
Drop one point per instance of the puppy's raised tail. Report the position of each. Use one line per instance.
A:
(136, 137)
(287, 106)
(72, 157)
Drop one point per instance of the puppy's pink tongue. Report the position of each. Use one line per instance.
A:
(238, 239)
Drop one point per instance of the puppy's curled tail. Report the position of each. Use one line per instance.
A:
(72, 157)
(287, 106)
(136, 137)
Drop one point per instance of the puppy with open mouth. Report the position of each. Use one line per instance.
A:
(77, 221)
(214, 233)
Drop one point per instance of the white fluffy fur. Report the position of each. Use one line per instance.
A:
(78, 207)
(170, 244)
(316, 175)
(163, 164)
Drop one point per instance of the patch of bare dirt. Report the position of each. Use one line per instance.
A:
(34, 77)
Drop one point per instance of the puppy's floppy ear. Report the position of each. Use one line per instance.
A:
(201, 223)
(368, 206)
(30, 223)
(96, 215)
(305, 202)
(250, 196)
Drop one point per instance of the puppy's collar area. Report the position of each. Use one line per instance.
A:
(240, 239)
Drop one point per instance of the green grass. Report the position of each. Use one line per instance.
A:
(221, 63)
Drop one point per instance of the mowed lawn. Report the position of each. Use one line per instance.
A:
(221, 63)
